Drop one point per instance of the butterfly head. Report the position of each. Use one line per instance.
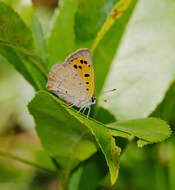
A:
(93, 100)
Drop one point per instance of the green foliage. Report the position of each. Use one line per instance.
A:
(105, 51)
(68, 148)
(16, 43)
(150, 130)
(165, 110)
(61, 39)
(68, 137)
(39, 42)
(74, 136)
(79, 181)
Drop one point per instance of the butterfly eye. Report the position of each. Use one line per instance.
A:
(93, 100)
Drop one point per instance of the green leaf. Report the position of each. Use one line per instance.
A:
(151, 130)
(76, 24)
(65, 135)
(106, 47)
(171, 166)
(75, 179)
(166, 108)
(93, 169)
(26, 13)
(104, 116)
(51, 115)
(89, 18)
(115, 13)
(61, 38)
(106, 143)
(14, 30)
(101, 31)
(65, 138)
(39, 40)
(144, 66)
(16, 45)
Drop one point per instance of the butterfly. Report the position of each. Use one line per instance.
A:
(73, 80)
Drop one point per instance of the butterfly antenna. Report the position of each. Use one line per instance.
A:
(112, 90)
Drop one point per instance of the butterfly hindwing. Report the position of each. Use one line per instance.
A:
(66, 83)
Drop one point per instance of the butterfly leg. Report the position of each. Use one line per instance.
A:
(70, 105)
(89, 107)
(84, 109)
(80, 109)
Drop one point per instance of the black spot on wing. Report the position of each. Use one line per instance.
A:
(87, 75)
(75, 66)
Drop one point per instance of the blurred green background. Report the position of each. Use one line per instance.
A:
(150, 168)
(17, 135)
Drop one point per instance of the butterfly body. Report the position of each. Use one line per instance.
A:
(73, 80)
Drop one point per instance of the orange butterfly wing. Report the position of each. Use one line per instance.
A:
(86, 71)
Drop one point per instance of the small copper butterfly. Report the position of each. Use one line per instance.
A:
(73, 80)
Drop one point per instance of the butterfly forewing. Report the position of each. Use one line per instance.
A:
(81, 61)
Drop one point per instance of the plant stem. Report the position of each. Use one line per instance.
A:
(8, 155)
